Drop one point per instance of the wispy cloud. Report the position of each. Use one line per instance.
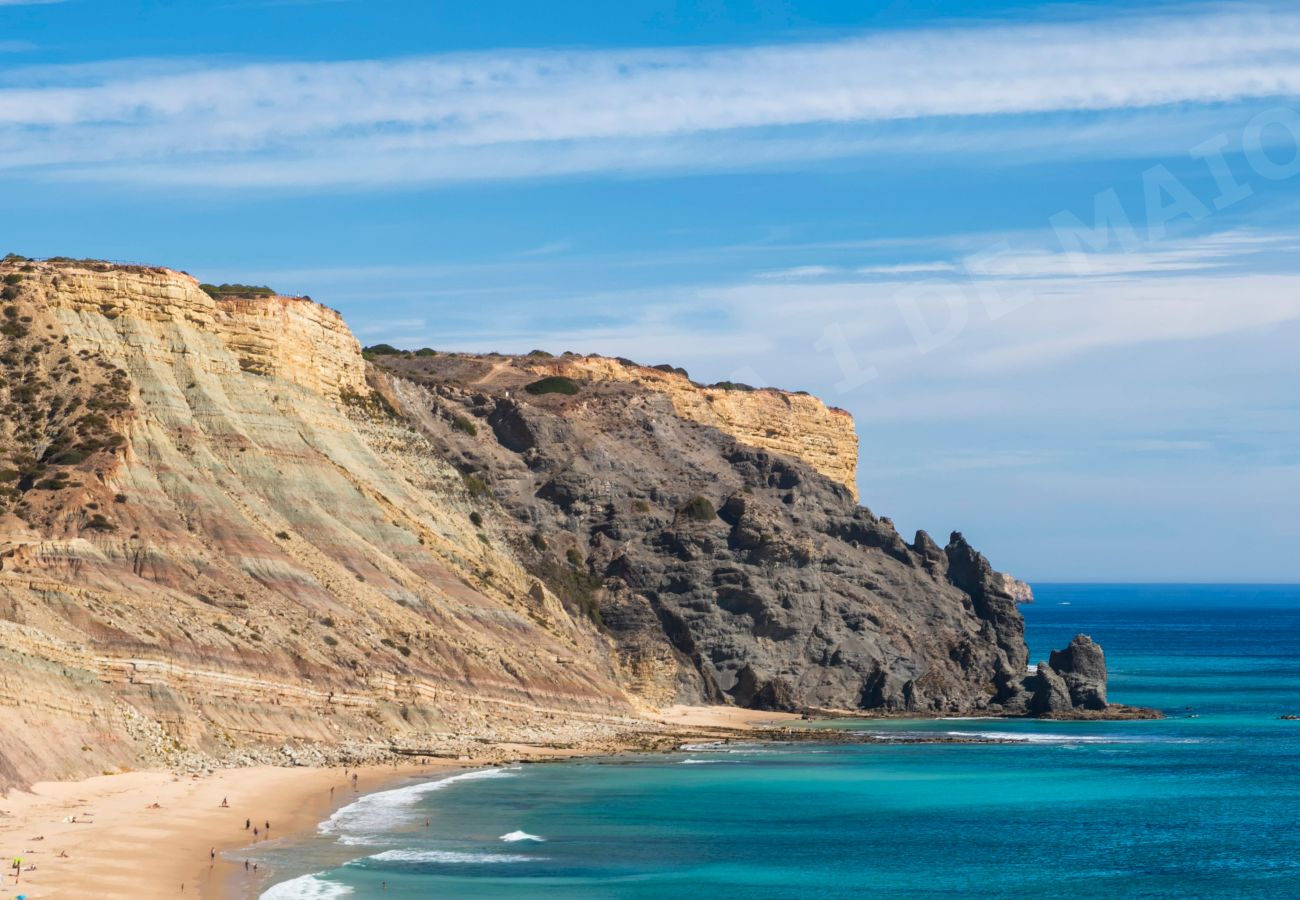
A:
(522, 114)
(1191, 290)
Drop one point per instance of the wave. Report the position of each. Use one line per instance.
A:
(515, 836)
(723, 747)
(701, 762)
(451, 856)
(1036, 737)
(375, 814)
(306, 887)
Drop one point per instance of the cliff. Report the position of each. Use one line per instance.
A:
(724, 568)
(209, 539)
(225, 536)
(793, 424)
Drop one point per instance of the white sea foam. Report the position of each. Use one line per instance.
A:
(451, 856)
(374, 814)
(306, 887)
(701, 762)
(1042, 737)
(723, 747)
(516, 836)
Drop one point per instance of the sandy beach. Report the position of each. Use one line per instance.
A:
(150, 834)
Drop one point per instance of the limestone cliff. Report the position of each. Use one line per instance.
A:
(793, 424)
(224, 534)
(210, 531)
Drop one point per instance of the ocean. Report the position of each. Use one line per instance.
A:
(1204, 803)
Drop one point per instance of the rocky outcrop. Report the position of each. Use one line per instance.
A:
(1073, 678)
(1083, 666)
(1016, 589)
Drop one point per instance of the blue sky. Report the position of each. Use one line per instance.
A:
(893, 205)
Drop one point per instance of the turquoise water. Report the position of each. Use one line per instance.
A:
(1205, 803)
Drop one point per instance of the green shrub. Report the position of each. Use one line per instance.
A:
(577, 589)
(426, 351)
(574, 556)
(538, 541)
(244, 291)
(69, 458)
(555, 384)
(476, 486)
(381, 350)
(699, 509)
(477, 518)
(13, 278)
(465, 424)
(330, 640)
(540, 354)
(282, 535)
(641, 506)
(732, 386)
(328, 621)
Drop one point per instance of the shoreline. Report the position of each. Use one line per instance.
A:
(146, 834)
(150, 833)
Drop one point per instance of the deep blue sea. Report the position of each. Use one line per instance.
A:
(1205, 803)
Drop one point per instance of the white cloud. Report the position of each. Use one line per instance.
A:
(529, 113)
(797, 273)
(920, 268)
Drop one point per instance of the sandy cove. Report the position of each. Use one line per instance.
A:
(150, 834)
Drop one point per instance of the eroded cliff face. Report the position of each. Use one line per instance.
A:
(792, 424)
(227, 537)
(243, 546)
(725, 571)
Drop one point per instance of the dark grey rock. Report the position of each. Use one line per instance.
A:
(1083, 667)
(1050, 692)
(792, 596)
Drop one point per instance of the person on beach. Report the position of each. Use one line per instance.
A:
(245, 865)
(225, 803)
(212, 855)
(248, 823)
(268, 827)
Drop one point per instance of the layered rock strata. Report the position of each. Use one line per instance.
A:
(225, 534)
